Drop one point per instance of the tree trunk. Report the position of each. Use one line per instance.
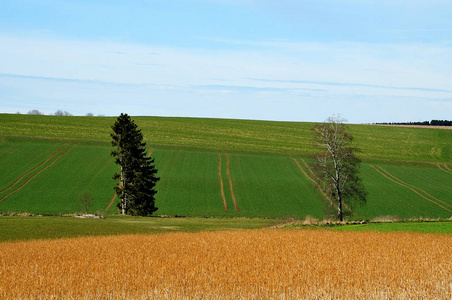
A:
(339, 209)
(337, 185)
(124, 196)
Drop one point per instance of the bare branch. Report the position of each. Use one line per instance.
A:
(336, 163)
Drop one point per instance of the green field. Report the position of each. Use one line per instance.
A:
(376, 142)
(50, 227)
(59, 180)
(417, 190)
(219, 168)
(422, 227)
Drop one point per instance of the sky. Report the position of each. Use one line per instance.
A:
(287, 60)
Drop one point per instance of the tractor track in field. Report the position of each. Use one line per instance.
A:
(316, 182)
(32, 177)
(22, 177)
(225, 205)
(413, 188)
(444, 167)
(234, 199)
(112, 200)
(316, 177)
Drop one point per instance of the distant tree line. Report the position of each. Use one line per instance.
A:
(59, 113)
(425, 123)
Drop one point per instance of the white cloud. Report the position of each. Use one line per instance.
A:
(295, 79)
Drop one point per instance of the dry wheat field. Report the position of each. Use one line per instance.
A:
(247, 264)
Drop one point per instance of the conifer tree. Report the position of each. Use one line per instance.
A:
(137, 176)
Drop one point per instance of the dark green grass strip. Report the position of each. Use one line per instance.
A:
(422, 227)
(31, 228)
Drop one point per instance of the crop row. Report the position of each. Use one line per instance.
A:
(258, 264)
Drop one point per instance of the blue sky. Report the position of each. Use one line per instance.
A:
(289, 60)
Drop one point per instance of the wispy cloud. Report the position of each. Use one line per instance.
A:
(349, 84)
(68, 80)
(253, 89)
(276, 79)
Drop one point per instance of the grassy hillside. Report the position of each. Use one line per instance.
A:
(259, 171)
(376, 142)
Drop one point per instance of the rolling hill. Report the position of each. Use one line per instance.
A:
(219, 168)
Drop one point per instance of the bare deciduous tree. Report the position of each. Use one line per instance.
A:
(35, 112)
(61, 113)
(86, 202)
(335, 163)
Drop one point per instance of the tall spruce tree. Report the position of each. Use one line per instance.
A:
(137, 176)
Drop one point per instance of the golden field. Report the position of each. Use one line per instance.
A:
(247, 264)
